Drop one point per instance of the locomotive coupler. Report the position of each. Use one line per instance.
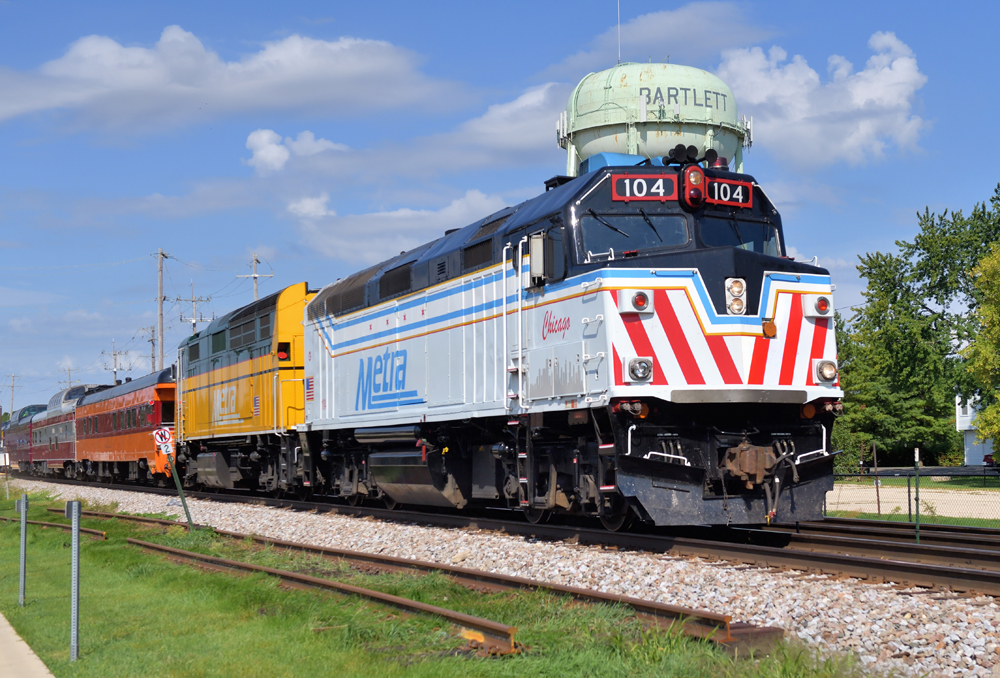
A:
(750, 463)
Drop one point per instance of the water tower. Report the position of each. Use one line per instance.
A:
(632, 112)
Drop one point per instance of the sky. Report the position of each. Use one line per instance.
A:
(327, 136)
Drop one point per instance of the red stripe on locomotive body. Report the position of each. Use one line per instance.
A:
(758, 364)
(724, 359)
(642, 344)
(792, 332)
(675, 335)
(818, 347)
(619, 377)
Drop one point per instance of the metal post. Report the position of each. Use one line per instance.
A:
(909, 501)
(878, 495)
(180, 490)
(73, 512)
(160, 256)
(21, 507)
(916, 493)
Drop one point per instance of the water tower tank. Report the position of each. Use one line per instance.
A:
(647, 109)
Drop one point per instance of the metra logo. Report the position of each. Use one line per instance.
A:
(382, 382)
(552, 326)
(224, 405)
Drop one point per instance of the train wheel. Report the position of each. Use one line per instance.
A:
(536, 516)
(618, 522)
(390, 503)
(355, 499)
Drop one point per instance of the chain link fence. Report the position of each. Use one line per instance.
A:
(948, 496)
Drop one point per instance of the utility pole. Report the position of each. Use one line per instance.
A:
(253, 262)
(160, 256)
(69, 377)
(13, 377)
(195, 318)
(114, 361)
(152, 352)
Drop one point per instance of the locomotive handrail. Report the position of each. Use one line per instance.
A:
(506, 346)
(520, 322)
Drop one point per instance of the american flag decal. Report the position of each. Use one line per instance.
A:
(310, 393)
(256, 406)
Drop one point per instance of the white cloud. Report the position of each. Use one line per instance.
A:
(373, 237)
(853, 117)
(687, 34)
(270, 154)
(108, 85)
(308, 144)
(312, 208)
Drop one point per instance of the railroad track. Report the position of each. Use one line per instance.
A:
(499, 639)
(963, 559)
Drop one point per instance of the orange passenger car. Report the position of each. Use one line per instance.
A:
(114, 428)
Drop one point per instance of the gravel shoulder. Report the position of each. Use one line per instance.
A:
(909, 632)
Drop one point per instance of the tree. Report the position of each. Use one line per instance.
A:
(983, 353)
(900, 355)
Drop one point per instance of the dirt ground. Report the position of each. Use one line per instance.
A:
(953, 503)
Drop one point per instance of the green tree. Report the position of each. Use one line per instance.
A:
(983, 354)
(900, 355)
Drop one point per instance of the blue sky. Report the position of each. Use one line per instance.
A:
(324, 136)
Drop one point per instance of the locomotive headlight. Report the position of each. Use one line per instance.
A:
(695, 178)
(736, 306)
(826, 370)
(640, 369)
(737, 287)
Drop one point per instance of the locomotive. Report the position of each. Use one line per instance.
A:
(632, 343)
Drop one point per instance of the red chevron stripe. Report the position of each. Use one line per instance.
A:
(758, 364)
(791, 341)
(675, 335)
(724, 359)
(818, 345)
(619, 378)
(642, 345)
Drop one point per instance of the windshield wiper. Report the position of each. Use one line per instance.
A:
(607, 223)
(736, 230)
(657, 233)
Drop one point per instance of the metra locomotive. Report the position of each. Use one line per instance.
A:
(632, 342)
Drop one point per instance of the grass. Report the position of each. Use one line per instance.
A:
(141, 615)
(925, 518)
(991, 482)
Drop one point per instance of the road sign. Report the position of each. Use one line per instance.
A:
(162, 436)
(166, 448)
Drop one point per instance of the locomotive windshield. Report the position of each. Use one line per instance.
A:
(611, 235)
(754, 236)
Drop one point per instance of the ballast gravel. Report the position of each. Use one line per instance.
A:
(908, 632)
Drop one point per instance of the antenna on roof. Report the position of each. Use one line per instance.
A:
(619, 31)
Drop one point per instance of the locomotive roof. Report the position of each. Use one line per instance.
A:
(250, 310)
(161, 377)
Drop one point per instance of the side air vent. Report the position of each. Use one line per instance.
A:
(440, 270)
(348, 294)
(489, 228)
(194, 352)
(396, 281)
(478, 255)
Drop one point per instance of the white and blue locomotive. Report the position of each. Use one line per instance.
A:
(632, 342)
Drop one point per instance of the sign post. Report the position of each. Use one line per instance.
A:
(21, 506)
(165, 441)
(73, 512)
(916, 488)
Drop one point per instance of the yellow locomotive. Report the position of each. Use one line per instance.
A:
(240, 394)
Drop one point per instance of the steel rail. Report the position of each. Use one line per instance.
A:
(902, 526)
(61, 526)
(718, 628)
(492, 636)
(886, 568)
(938, 537)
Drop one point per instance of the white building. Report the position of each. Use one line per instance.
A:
(975, 449)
